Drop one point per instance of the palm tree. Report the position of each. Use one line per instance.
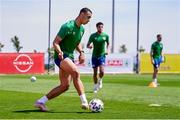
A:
(1, 46)
(51, 54)
(122, 48)
(50, 58)
(16, 43)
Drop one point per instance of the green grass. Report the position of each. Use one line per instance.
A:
(124, 96)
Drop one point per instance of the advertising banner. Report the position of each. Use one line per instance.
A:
(115, 63)
(21, 63)
(170, 65)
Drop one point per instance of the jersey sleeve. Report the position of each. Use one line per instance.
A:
(63, 31)
(107, 38)
(152, 47)
(90, 39)
(83, 30)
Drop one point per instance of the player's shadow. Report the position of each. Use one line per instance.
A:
(76, 92)
(30, 111)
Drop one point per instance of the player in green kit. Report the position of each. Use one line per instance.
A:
(67, 40)
(100, 41)
(156, 57)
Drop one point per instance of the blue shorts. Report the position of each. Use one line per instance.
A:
(97, 61)
(157, 62)
(58, 61)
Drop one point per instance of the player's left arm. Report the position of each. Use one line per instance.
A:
(89, 44)
(162, 55)
(151, 54)
(81, 53)
(107, 46)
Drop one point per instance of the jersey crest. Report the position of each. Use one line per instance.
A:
(104, 38)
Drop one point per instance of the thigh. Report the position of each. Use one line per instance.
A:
(65, 78)
(68, 66)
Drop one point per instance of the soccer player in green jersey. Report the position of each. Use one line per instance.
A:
(100, 41)
(156, 56)
(67, 40)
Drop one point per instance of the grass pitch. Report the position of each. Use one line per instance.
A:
(124, 96)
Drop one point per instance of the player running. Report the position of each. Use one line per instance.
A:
(99, 40)
(67, 40)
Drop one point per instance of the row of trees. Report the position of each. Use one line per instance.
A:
(16, 44)
(123, 49)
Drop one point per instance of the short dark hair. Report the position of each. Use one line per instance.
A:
(158, 35)
(85, 10)
(99, 23)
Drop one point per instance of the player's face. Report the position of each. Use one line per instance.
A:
(86, 17)
(100, 28)
(159, 38)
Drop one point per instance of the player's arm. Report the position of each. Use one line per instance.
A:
(107, 47)
(163, 57)
(59, 37)
(81, 53)
(151, 55)
(56, 46)
(89, 45)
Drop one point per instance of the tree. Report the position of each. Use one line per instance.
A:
(122, 48)
(141, 49)
(51, 54)
(50, 58)
(16, 43)
(1, 46)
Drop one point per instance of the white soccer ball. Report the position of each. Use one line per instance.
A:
(96, 105)
(33, 79)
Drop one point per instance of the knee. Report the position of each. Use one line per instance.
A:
(75, 74)
(65, 87)
(101, 72)
(156, 70)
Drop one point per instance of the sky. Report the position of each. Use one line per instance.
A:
(28, 19)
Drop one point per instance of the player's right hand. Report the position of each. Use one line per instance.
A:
(152, 61)
(107, 52)
(90, 46)
(60, 55)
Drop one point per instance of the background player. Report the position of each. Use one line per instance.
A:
(99, 40)
(156, 57)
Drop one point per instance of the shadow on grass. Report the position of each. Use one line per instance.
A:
(31, 111)
(76, 91)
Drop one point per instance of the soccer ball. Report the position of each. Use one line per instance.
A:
(96, 105)
(33, 79)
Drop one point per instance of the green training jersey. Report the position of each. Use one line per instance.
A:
(98, 41)
(71, 36)
(156, 49)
